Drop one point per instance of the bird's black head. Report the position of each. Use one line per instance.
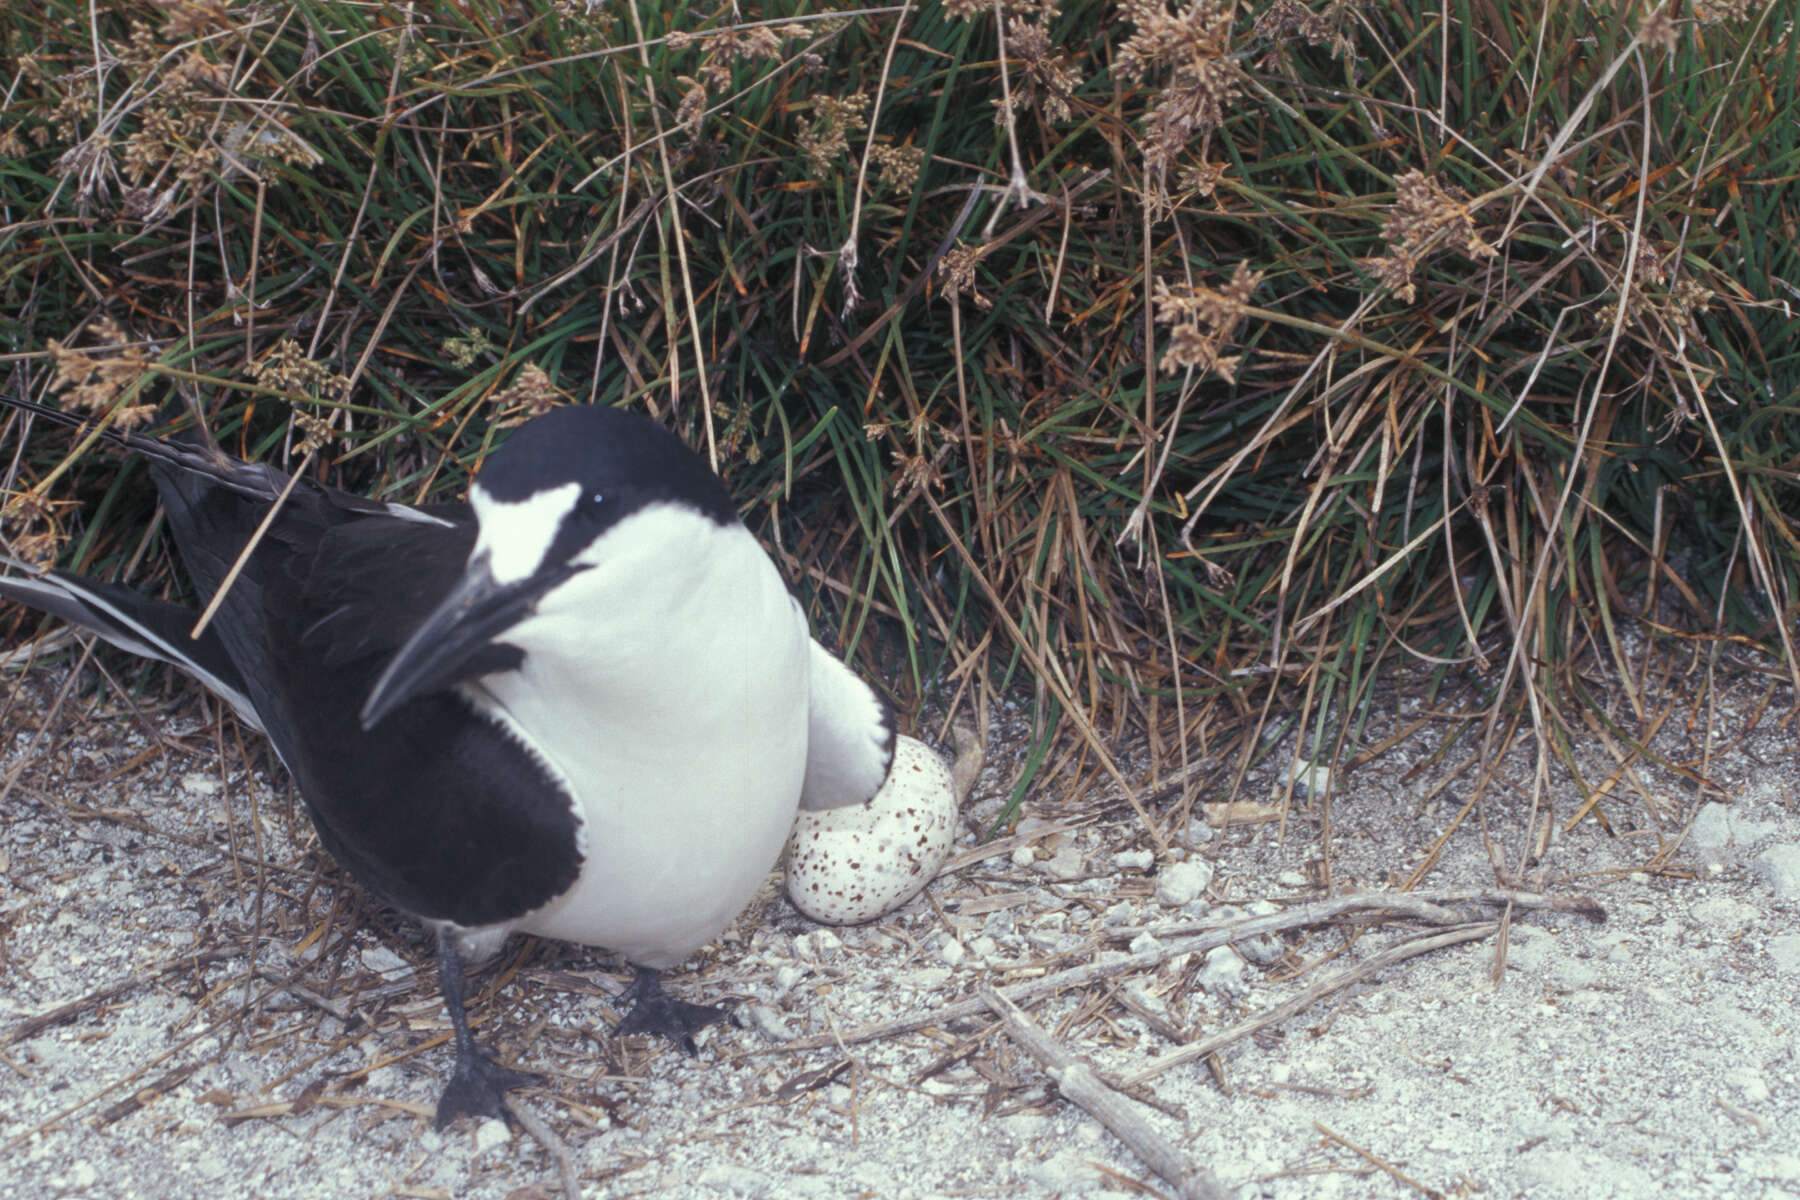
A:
(619, 460)
(543, 501)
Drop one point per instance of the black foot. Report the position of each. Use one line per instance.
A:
(655, 1011)
(477, 1088)
(478, 1085)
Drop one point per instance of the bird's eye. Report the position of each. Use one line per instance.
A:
(596, 500)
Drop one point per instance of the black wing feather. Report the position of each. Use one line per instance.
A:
(437, 810)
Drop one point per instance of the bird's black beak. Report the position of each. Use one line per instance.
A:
(455, 640)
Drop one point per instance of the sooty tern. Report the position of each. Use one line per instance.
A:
(583, 705)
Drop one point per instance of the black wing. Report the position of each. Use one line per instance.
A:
(437, 810)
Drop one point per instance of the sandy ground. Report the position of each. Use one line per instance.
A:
(193, 1004)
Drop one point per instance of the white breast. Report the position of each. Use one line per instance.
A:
(681, 666)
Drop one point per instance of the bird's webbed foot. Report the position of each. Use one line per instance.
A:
(656, 1012)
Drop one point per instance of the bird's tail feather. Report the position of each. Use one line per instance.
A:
(133, 622)
(194, 452)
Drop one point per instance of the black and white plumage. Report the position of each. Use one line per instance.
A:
(583, 705)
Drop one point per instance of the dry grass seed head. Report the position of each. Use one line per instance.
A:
(1202, 179)
(1049, 82)
(189, 19)
(31, 529)
(1202, 321)
(1197, 33)
(1427, 216)
(1286, 19)
(314, 431)
(1717, 12)
(1689, 299)
(725, 48)
(93, 380)
(1194, 45)
(286, 366)
(464, 352)
(824, 138)
(532, 391)
(1395, 271)
(693, 104)
(1658, 29)
(915, 471)
(956, 275)
(899, 165)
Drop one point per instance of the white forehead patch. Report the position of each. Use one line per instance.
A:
(516, 534)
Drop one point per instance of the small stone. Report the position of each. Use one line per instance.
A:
(1067, 1172)
(1314, 781)
(382, 961)
(1065, 864)
(1265, 950)
(1027, 1127)
(1134, 860)
(1023, 856)
(787, 977)
(1144, 943)
(815, 946)
(953, 952)
(1291, 879)
(1784, 952)
(200, 785)
(1727, 914)
(1181, 882)
(1750, 1082)
(1779, 867)
(983, 946)
(1712, 827)
(767, 1021)
(1777, 1168)
(491, 1133)
(734, 1179)
(1223, 971)
(1139, 990)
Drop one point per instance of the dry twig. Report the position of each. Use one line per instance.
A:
(1078, 1083)
(1203, 1047)
(553, 1145)
(1431, 908)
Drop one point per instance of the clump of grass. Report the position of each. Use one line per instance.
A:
(1179, 362)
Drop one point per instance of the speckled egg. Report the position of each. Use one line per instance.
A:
(854, 864)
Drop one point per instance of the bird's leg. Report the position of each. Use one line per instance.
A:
(655, 1011)
(477, 1085)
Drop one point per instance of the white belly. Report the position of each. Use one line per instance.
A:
(687, 748)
